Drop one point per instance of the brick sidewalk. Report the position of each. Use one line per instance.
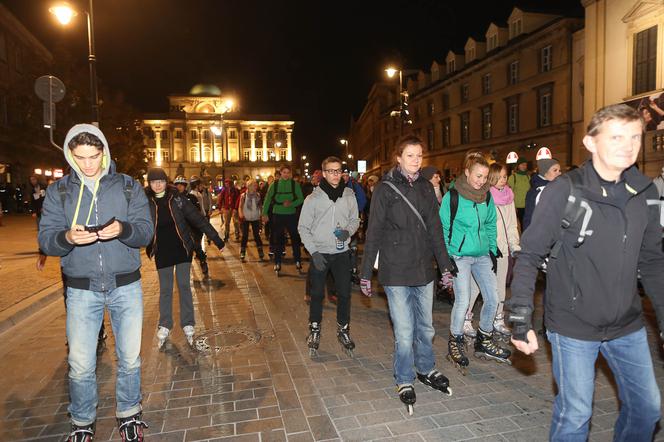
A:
(252, 378)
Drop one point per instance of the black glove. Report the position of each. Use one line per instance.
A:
(454, 270)
(521, 319)
(342, 235)
(499, 254)
(494, 262)
(319, 261)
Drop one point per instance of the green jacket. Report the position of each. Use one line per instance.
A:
(520, 185)
(279, 192)
(474, 229)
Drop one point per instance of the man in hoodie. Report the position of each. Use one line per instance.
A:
(548, 169)
(328, 220)
(592, 303)
(96, 220)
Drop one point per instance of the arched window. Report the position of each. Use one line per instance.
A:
(207, 154)
(205, 108)
(193, 155)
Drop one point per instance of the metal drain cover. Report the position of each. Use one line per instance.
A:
(226, 340)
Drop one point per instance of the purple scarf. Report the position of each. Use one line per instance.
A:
(502, 197)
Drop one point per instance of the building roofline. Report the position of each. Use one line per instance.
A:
(7, 16)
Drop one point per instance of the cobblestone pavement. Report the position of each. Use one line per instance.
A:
(18, 256)
(251, 378)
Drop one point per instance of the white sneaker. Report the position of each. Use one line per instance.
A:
(468, 329)
(189, 333)
(162, 335)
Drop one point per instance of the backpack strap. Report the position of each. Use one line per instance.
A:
(575, 207)
(62, 190)
(454, 207)
(128, 187)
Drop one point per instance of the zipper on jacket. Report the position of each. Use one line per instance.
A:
(176, 224)
(479, 234)
(101, 261)
(463, 240)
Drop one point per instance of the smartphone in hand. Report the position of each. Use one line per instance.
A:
(99, 227)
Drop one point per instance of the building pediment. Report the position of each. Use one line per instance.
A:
(642, 9)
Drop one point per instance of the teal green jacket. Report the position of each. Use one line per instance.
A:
(279, 192)
(474, 230)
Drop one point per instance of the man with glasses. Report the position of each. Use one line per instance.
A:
(329, 218)
(282, 200)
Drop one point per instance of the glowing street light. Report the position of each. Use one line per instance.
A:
(391, 72)
(64, 13)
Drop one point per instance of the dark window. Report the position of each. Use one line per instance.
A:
(513, 115)
(3, 47)
(446, 102)
(430, 140)
(545, 59)
(446, 132)
(432, 107)
(245, 134)
(645, 61)
(486, 122)
(544, 105)
(464, 92)
(513, 72)
(269, 135)
(232, 135)
(464, 122)
(178, 134)
(164, 135)
(486, 84)
(206, 135)
(194, 135)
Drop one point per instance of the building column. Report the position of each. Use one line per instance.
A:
(252, 155)
(214, 153)
(157, 142)
(264, 145)
(200, 144)
(289, 145)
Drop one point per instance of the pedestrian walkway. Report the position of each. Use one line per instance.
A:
(250, 377)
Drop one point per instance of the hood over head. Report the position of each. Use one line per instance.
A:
(106, 160)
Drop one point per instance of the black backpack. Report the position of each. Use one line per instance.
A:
(454, 207)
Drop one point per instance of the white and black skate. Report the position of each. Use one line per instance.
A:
(189, 334)
(407, 396)
(343, 335)
(436, 380)
(313, 340)
(501, 331)
(455, 353)
(486, 349)
(298, 266)
(277, 269)
(243, 255)
(162, 336)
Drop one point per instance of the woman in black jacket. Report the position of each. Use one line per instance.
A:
(172, 247)
(405, 234)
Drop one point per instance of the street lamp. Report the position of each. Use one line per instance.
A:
(64, 13)
(219, 132)
(402, 112)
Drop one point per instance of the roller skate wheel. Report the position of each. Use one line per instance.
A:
(410, 409)
(449, 391)
(349, 352)
(313, 352)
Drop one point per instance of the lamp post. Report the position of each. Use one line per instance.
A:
(219, 131)
(64, 13)
(303, 158)
(402, 112)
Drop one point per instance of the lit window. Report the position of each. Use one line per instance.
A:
(464, 92)
(544, 105)
(464, 120)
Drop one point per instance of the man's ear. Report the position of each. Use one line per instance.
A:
(589, 142)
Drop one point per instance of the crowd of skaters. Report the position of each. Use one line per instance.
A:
(482, 228)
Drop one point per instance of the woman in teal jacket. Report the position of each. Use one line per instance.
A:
(468, 215)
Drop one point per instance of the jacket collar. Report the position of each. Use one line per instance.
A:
(634, 180)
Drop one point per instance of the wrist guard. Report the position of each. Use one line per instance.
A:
(521, 319)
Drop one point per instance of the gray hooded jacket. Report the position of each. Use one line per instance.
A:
(102, 265)
(319, 219)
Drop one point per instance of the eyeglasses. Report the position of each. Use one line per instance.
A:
(333, 171)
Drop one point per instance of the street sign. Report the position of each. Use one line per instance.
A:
(50, 88)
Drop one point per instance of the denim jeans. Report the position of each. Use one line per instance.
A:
(85, 312)
(479, 268)
(574, 372)
(412, 318)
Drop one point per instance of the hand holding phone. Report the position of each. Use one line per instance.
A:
(99, 227)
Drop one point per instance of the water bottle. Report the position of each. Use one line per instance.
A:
(340, 243)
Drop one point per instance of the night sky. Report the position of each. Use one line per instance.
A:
(314, 60)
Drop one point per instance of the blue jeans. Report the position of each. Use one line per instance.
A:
(574, 372)
(85, 313)
(478, 267)
(412, 318)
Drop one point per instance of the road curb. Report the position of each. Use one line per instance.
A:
(29, 306)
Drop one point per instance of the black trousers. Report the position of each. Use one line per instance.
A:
(279, 224)
(339, 265)
(255, 228)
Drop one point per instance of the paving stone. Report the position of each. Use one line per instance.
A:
(491, 426)
(294, 421)
(457, 432)
(312, 405)
(364, 434)
(543, 418)
(379, 417)
(234, 416)
(300, 437)
(203, 433)
(288, 400)
(185, 423)
(411, 426)
(259, 426)
(322, 427)
(534, 434)
(346, 423)
(498, 410)
(456, 418)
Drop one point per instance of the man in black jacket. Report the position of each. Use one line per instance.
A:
(591, 303)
